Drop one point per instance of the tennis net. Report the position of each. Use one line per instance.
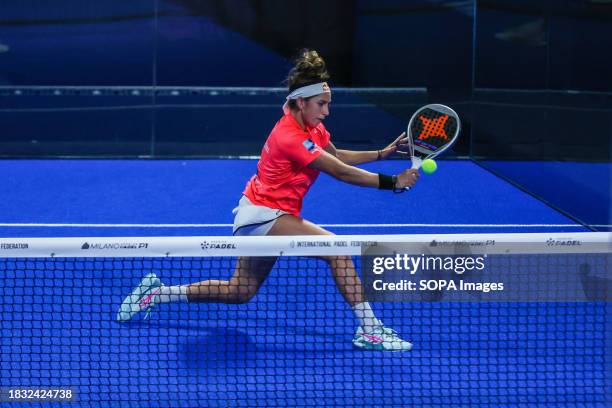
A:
(529, 328)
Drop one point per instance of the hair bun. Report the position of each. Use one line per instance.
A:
(309, 67)
(310, 61)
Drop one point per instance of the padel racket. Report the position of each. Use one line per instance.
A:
(432, 130)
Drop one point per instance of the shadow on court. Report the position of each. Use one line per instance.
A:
(204, 348)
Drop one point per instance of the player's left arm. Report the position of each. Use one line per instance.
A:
(353, 157)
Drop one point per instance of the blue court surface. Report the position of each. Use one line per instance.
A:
(291, 345)
(459, 197)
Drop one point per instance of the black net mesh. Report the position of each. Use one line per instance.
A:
(289, 345)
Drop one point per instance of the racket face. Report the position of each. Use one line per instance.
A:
(433, 129)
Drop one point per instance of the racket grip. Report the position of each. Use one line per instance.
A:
(416, 162)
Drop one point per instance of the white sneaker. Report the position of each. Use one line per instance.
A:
(143, 297)
(381, 338)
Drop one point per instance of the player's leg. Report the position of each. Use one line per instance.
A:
(371, 333)
(249, 274)
(342, 267)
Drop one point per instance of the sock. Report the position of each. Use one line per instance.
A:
(168, 294)
(365, 315)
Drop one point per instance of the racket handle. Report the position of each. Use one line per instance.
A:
(416, 162)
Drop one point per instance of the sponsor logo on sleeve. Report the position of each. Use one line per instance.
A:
(309, 145)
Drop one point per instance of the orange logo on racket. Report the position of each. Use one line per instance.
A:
(433, 127)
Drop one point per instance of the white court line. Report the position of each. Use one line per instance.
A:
(323, 225)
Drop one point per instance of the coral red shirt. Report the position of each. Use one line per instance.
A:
(283, 177)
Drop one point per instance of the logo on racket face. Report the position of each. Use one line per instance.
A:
(433, 128)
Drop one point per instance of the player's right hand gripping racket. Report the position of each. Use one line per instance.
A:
(432, 130)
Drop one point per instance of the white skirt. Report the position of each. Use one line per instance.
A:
(254, 220)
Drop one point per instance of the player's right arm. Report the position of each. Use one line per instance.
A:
(333, 166)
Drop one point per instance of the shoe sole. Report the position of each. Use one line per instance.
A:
(369, 347)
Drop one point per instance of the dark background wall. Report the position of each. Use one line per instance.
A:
(157, 44)
(495, 61)
(542, 82)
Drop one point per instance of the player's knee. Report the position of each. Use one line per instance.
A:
(338, 261)
(241, 295)
(240, 299)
